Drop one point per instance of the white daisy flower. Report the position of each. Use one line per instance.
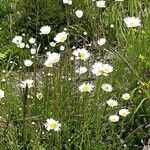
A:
(124, 112)
(100, 4)
(2, 94)
(52, 124)
(114, 118)
(45, 30)
(112, 103)
(17, 40)
(79, 13)
(28, 63)
(81, 70)
(82, 54)
(126, 96)
(27, 83)
(132, 22)
(52, 58)
(107, 87)
(61, 37)
(86, 87)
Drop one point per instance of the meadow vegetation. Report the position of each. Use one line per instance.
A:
(74, 75)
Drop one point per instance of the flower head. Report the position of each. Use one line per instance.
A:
(81, 70)
(82, 54)
(112, 103)
(28, 63)
(86, 87)
(107, 87)
(124, 112)
(17, 40)
(2, 94)
(126, 96)
(52, 58)
(69, 2)
(61, 37)
(52, 124)
(114, 118)
(79, 13)
(101, 41)
(45, 30)
(101, 69)
(132, 22)
(101, 4)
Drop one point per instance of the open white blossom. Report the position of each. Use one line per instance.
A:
(124, 112)
(17, 40)
(126, 96)
(114, 118)
(132, 22)
(69, 2)
(52, 124)
(86, 87)
(2, 94)
(101, 69)
(112, 102)
(52, 59)
(61, 37)
(28, 63)
(45, 30)
(81, 70)
(107, 87)
(101, 41)
(82, 54)
(100, 4)
(32, 40)
(79, 13)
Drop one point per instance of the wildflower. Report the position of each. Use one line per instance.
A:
(119, 0)
(3, 80)
(21, 45)
(28, 63)
(101, 69)
(52, 58)
(62, 48)
(61, 37)
(2, 94)
(100, 4)
(86, 87)
(17, 40)
(45, 30)
(132, 22)
(82, 54)
(32, 40)
(107, 87)
(124, 112)
(39, 96)
(52, 44)
(69, 2)
(79, 13)
(81, 70)
(141, 57)
(101, 41)
(52, 124)
(112, 103)
(126, 96)
(27, 83)
(33, 51)
(114, 118)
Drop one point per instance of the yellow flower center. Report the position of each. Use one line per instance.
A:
(53, 125)
(86, 88)
(82, 55)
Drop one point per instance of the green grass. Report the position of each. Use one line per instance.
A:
(84, 116)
